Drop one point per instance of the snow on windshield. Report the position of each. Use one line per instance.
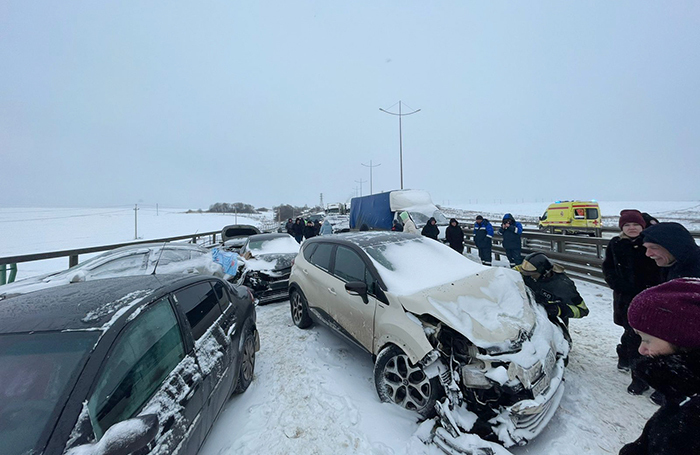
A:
(279, 245)
(412, 264)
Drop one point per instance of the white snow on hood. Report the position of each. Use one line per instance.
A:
(490, 308)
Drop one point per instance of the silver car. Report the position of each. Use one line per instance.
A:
(451, 339)
(144, 259)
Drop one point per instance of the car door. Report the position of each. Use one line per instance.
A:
(212, 345)
(149, 372)
(317, 279)
(350, 311)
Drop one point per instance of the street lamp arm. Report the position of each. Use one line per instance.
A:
(399, 115)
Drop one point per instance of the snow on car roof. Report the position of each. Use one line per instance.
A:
(409, 263)
(79, 306)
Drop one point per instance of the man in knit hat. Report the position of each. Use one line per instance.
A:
(672, 247)
(667, 317)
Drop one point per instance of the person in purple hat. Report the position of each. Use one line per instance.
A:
(667, 318)
(628, 271)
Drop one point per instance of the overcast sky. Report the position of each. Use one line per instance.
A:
(188, 103)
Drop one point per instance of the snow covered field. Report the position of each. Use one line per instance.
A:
(313, 392)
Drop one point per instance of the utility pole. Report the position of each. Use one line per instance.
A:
(361, 182)
(136, 222)
(400, 135)
(321, 202)
(370, 174)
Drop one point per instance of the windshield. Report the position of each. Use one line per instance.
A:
(36, 372)
(421, 219)
(410, 264)
(282, 244)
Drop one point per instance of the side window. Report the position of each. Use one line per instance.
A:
(348, 265)
(132, 263)
(309, 250)
(321, 257)
(591, 214)
(169, 255)
(200, 304)
(144, 355)
(221, 295)
(579, 213)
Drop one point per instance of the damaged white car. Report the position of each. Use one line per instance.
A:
(463, 344)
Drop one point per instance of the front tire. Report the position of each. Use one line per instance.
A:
(300, 310)
(247, 368)
(400, 382)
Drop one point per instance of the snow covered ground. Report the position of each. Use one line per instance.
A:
(313, 392)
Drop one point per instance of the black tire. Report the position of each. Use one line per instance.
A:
(247, 368)
(300, 310)
(402, 383)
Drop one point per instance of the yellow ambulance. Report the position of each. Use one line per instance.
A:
(572, 217)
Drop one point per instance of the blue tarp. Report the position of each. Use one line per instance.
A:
(373, 210)
(227, 259)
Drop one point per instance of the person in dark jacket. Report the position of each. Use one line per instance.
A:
(673, 249)
(511, 231)
(309, 230)
(483, 235)
(649, 220)
(298, 230)
(628, 271)
(317, 226)
(455, 236)
(553, 289)
(430, 229)
(288, 227)
(667, 318)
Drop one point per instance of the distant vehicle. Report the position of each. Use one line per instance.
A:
(378, 211)
(469, 341)
(234, 236)
(140, 364)
(572, 217)
(144, 259)
(266, 262)
(336, 209)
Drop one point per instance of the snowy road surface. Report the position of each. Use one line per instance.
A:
(313, 394)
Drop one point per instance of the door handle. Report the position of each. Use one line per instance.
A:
(193, 383)
(332, 291)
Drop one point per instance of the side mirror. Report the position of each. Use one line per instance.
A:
(357, 288)
(126, 437)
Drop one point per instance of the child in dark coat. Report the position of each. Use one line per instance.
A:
(667, 318)
(628, 271)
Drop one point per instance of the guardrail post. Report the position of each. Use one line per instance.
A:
(3, 274)
(561, 246)
(72, 260)
(213, 238)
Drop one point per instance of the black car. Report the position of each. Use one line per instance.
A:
(140, 364)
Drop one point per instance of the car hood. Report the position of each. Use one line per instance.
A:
(491, 308)
(270, 261)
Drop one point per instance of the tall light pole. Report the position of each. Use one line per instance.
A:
(370, 173)
(360, 182)
(400, 138)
